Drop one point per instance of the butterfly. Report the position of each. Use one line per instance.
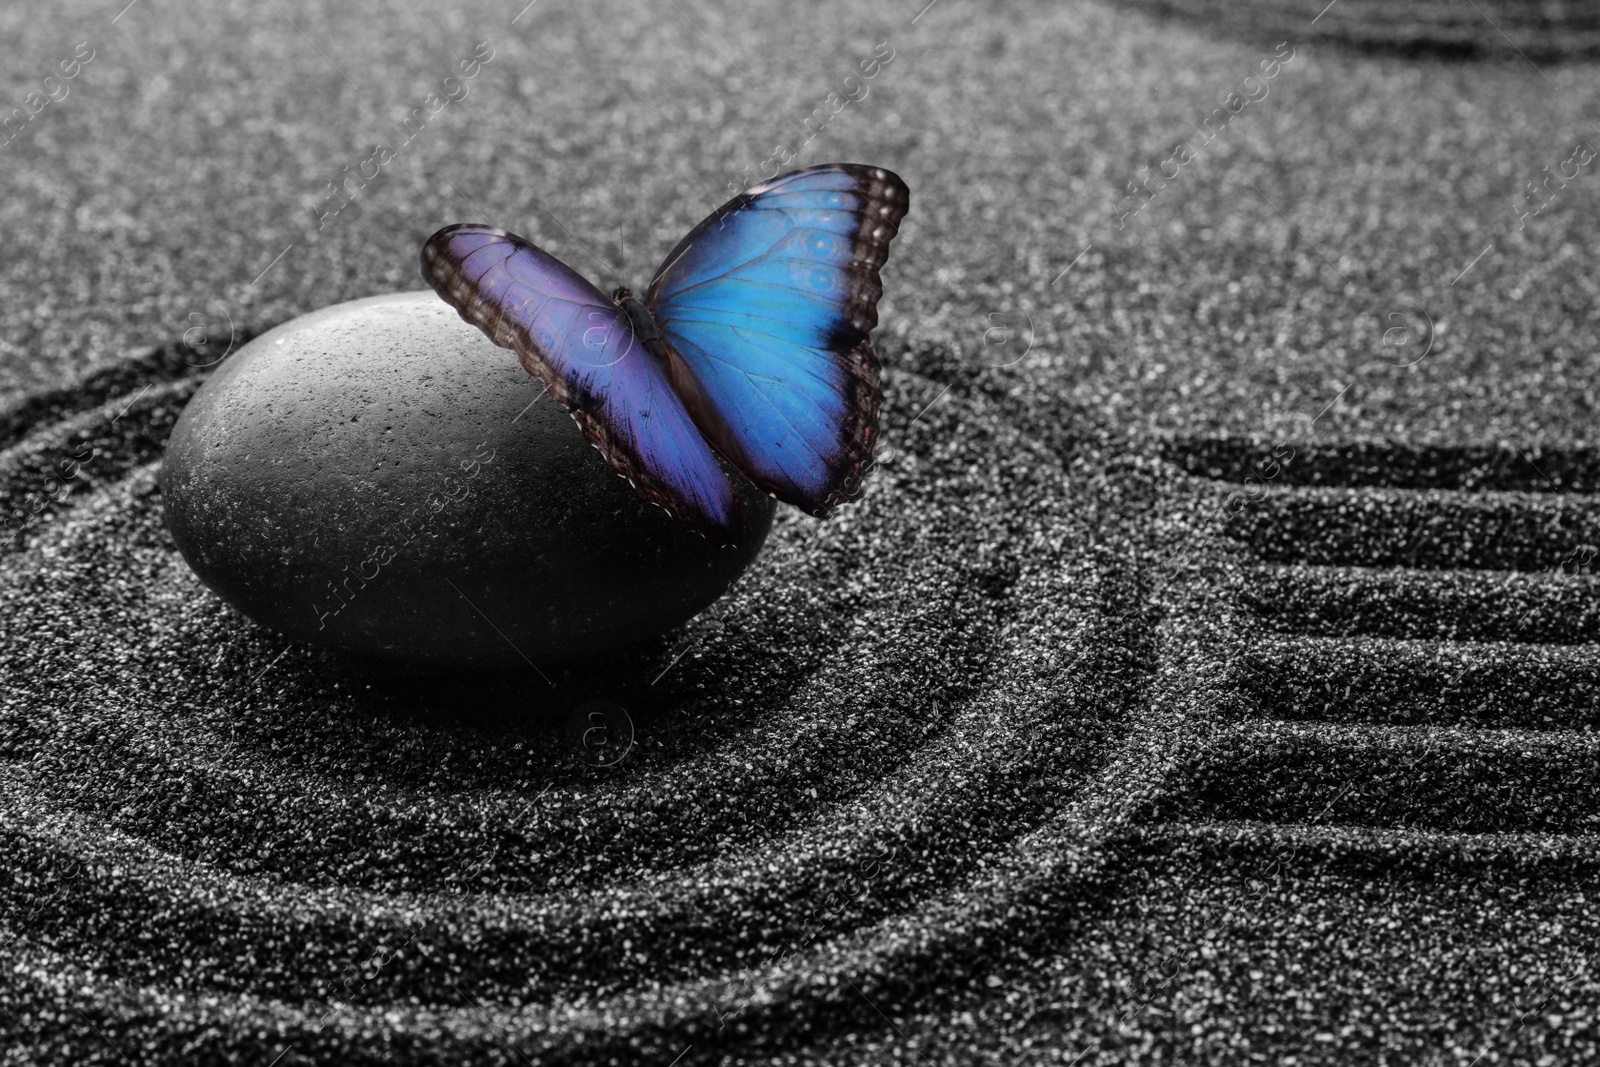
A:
(751, 343)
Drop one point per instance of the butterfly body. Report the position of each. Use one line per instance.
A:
(752, 342)
(642, 324)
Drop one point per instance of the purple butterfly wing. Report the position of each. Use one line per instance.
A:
(582, 348)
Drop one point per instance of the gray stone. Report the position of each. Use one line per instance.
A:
(379, 477)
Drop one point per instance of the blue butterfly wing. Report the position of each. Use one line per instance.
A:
(582, 348)
(766, 308)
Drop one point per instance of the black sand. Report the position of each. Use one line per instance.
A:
(1072, 743)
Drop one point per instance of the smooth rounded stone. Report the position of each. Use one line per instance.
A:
(379, 477)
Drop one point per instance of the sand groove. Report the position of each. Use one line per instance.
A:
(1412, 656)
(869, 732)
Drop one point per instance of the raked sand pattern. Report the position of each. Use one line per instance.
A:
(1209, 675)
